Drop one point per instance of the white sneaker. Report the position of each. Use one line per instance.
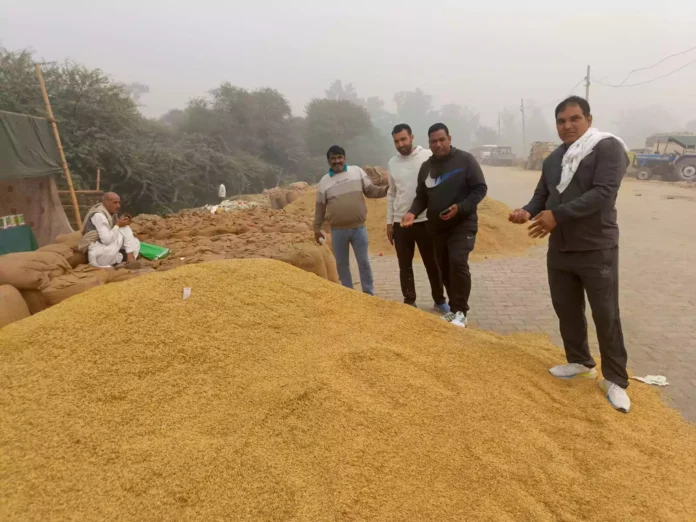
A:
(449, 317)
(616, 396)
(460, 320)
(568, 371)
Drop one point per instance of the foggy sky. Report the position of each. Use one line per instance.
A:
(487, 57)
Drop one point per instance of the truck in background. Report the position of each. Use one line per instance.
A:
(538, 152)
(494, 155)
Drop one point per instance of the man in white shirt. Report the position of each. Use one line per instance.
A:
(403, 180)
(106, 237)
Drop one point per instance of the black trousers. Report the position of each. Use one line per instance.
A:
(405, 241)
(452, 249)
(571, 275)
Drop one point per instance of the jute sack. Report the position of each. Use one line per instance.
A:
(296, 228)
(74, 257)
(292, 195)
(305, 256)
(120, 274)
(205, 232)
(36, 302)
(72, 239)
(103, 274)
(278, 201)
(12, 305)
(63, 287)
(270, 228)
(32, 270)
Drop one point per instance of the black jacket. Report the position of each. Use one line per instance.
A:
(455, 179)
(585, 211)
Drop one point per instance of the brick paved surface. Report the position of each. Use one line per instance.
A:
(658, 282)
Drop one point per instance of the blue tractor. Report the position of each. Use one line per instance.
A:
(677, 163)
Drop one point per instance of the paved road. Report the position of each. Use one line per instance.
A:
(658, 281)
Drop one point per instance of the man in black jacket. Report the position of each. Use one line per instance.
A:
(575, 203)
(450, 187)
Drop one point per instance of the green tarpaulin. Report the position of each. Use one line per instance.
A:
(17, 239)
(27, 147)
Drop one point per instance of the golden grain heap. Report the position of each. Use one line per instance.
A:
(272, 394)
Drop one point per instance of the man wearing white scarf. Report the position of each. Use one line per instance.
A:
(574, 202)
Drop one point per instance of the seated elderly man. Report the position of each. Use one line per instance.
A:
(108, 238)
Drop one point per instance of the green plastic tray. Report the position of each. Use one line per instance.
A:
(153, 252)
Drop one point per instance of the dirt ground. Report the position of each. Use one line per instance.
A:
(654, 214)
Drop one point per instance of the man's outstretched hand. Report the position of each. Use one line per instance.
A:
(519, 216)
(542, 224)
(320, 237)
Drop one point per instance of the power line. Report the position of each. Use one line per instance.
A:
(577, 85)
(647, 81)
(650, 67)
(556, 100)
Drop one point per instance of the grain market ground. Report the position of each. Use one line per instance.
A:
(658, 281)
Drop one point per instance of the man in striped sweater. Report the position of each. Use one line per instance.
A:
(341, 204)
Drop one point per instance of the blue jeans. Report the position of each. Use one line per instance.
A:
(341, 239)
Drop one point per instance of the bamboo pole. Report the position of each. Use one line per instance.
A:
(64, 163)
(80, 192)
(98, 177)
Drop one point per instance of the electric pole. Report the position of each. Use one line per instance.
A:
(498, 142)
(587, 84)
(524, 128)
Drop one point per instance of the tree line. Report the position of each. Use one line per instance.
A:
(247, 139)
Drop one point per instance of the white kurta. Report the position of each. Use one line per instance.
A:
(107, 251)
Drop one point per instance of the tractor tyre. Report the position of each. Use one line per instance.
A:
(644, 174)
(685, 170)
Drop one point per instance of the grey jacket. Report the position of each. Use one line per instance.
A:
(585, 211)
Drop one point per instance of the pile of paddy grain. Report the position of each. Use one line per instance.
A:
(272, 394)
(497, 237)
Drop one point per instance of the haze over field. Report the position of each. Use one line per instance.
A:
(487, 57)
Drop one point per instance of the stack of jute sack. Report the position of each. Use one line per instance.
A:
(195, 236)
(48, 276)
(282, 196)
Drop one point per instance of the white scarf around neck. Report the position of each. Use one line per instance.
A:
(578, 151)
